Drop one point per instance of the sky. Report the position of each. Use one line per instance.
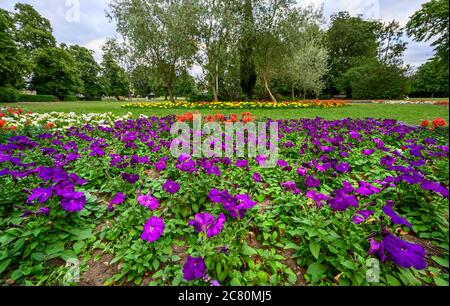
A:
(84, 22)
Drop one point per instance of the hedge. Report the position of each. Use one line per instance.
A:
(36, 98)
(70, 98)
(8, 94)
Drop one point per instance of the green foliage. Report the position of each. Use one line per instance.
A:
(55, 72)
(431, 79)
(246, 45)
(33, 31)
(116, 81)
(70, 98)
(37, 98)
(8, 94)
(89, 71)
(374, 80)
(431, 23)
(12, 67)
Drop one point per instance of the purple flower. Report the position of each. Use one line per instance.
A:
(130, 178)
(282, 163)
(429, 185)
(206, 222)
(354, 135)
(312, 182)
(302, 171)
(161, 164)
(395, 217)
(403, 253)
(188, 166)
(40, 194)
(377, 248)
(317, 197)
(218, 196)
(215, 283)
(43, 211)
(387, 160)
(291, 186)
(73, 201)
(118, 199)
(183, 157)
(148, 201)
(366, 188)
(194, 268)
(153, 229)
(171, 186)
(343, 167)
(361, 216)
(257, 177)
(342, 201)
(241, 163)
(368, 151)
(261, 160)
(63, 188)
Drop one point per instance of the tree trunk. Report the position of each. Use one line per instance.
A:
(170, 91)
(214, 91)
(266, 85)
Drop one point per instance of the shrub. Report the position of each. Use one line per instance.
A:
(70, 98)
(9, 94)
(37, 98)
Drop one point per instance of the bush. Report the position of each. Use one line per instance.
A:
(36, 98)
(9, 94)
(70, 98)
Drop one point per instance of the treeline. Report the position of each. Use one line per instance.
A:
(31, 59)
(237, 50)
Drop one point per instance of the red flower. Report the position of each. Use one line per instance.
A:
(439, 122)
(2, 123)
(50, 125)
(425, 123)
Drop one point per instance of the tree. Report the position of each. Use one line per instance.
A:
(115, 78)
(391, 47)
(349, 39)
(218, 36)
(431, 22)
(12, 67)
(32, 30)
(89, 71)
(273, 27)
(160, 33)
(246, 44)
(431, 79)
(55, 72)
(185, 85)
(305, 69)
(370, 79)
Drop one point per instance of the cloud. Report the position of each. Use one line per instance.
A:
(94, 27)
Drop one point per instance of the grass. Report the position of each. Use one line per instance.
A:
(412, 114)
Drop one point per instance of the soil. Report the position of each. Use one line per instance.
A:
(98, 271)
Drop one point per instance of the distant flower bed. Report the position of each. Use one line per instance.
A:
(239, 105)
(15, 119)
(443, 102)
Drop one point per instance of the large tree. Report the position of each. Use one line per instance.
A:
(33, 31)
(12, 66)
(247, 68)
(159, 33)
(391, 46)
(116, 83)
(349, 39)
(431, 79)
(55, 72)
(218, 37)
(431, 22)
(89, 71)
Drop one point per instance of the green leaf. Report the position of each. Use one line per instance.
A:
(314, 248)
(349, 265)
(392, 281)
(441, 261)
(316, 270)
(78, 246)
(235, 282)
(4, 264)
(263, 277)
(158, 274)
(440, 282)
(292, 278)
(249, 251)
(291, 245)
(155, 264)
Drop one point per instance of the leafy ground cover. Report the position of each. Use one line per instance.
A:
(412, 114)
(351, 202)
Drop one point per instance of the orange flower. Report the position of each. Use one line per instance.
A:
(50, 125)
(439, 122)
(220, 117)
(2, 123)
(233, 118)
(425, 123)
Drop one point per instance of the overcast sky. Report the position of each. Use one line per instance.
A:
(93, 28)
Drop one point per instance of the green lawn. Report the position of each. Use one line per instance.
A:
(412, 114)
